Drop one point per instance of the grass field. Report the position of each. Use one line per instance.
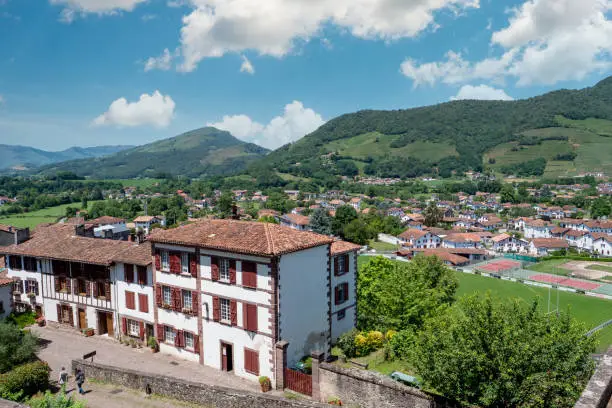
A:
(381, 246)
(142, 183)
(551, 266)
(32, 219)
(601, 127)
(597, 267)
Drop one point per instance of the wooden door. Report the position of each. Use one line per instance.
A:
(226, 357)
(109, 324)
(82, 319)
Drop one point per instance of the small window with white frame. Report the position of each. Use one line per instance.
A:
(226, 315)
(165, 261)
(167, 293)
(169, 334)
(187, 300)
(189, 344)
(184, 262)
(133, 328)
(224, 270)
(341, 265)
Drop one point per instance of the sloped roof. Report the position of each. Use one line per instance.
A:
(245, 237)
(500, 237)
(413, 233)
(549, 243)
(105, 219)
(340, 247)
(297, 219)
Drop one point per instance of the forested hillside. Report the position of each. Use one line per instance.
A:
(456, 136)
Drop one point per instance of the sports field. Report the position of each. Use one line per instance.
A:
(46, 215)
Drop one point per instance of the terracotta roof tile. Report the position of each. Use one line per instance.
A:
(106, 220)
(340, 247)
(500, 237)
(549, 243)
(7, 228)
(297, 219)
(413, 233)
(6, 282)
(246, 237)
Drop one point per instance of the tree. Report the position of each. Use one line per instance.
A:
(601, 208)
(278, 202)
(507, 194)
(16, 347)
(398, 296)
(321, 222)
(433, 215)
(344, 215)
(70, 212)
(358, 231)
(84, 203)
(504, 354)
(225, 204)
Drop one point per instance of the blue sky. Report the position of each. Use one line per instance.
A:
(98, 72)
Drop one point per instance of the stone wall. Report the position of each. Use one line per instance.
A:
(366, 389)
(599, 389)
(10, 404)
(196, 393)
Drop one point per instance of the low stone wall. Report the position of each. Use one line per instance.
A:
(207, 395)
(10, 404)
(599, 389)
(366, 389)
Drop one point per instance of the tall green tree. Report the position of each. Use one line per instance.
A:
(507, 194)
(16, 347)
(601, 208)
(344, 215)
(393, 295)
(321, 222)
(504, 355)
(433, 215)
(225, 204)
(358, 231)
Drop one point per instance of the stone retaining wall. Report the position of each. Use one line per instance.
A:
(196, 393)
(599, 389)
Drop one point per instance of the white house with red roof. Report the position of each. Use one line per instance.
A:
(417, 238)
(602, 244)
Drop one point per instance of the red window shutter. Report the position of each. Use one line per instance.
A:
(247, 361)
(337, 295)
(175, 263)
(157, 261)
(346, 262)
(127, 300)
(176, 299)
(87, 288)
(193, 265)
(59, 313)
(214, 268)
(195, 302)
(255, 363)
(129, 272)
(196, 344)
(177, 338)
(158, 295)
(336, 265)
(57, 284)
(234, 312)
(216, 309)
(249, 274)
(232, 271)
(95, 289)
(123, 325)
(161, 334)
(107, 291)
(250, 314)
(346, 292)
(142, 330)
(68, 285)
(143, 303)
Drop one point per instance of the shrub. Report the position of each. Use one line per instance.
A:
(375, 339)
(22, 319)
(17, 347)
(389, 335)
(400, 345)
(346, 343)
(25, 380)
(362, 347)
(49, 400)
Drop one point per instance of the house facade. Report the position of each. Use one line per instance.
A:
(543, 246)
(6, 288)
(419, 239)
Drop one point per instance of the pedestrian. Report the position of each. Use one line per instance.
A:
(80, 379)
(63, 379)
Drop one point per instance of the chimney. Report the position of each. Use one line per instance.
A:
(79, 230)
(21, 235)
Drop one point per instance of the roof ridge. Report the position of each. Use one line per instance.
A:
(271, 248)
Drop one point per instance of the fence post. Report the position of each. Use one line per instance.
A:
(317, 357)
(280, 363)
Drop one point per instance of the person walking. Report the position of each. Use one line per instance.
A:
(80, 379)
(63, 379)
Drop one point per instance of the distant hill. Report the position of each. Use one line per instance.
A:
(205, 151)
(24, 157)
(560, 133)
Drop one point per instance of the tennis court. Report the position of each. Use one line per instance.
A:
(563, 281)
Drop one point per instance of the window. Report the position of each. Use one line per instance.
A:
(17, 287)
(130, 300)
(15, 262)
(226, 315)
(187, 300)
(143, 303)
(167, 292)
(165, 260)
(251, 361)
(169, 334)
(29, 264)
(1, 307)
(129, 273)
(184, 262)
(342, 294)
(82, 286)
(341, 265)
(250, 317)
(142, 275)
(133, 328)
(32, 286)
(341, 314)
(188, 337)
(224, 272)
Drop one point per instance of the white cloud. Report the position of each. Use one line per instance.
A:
(156, 110)
(74, 8)
(545, 41)
(296, 122)
(481, 92)
(247, 66)
(163, 62)
(274, 27)
(177, 3)
(148, 17)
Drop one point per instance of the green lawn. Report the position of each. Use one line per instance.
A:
(142, 183)
(32, 219)
(381, 246)
(602, 268)
(551, 266)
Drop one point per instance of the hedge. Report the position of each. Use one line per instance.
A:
(24, 381)
(576, 258)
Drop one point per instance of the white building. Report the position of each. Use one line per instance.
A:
(537, 229)
(419, 239)
(461, 240)
(296, 221)
(144, 222)
(6, 288)
(508, 243)
(228, 291)
(602, 244)
(543, 246)
(110, 228)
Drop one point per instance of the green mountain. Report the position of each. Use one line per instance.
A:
(206, 151)
(560, 133)
(24, 157)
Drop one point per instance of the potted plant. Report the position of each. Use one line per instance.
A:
(152, 343)
(32, 295)
(88, 332)
(334, 401)
(265, 383)
(132, 343)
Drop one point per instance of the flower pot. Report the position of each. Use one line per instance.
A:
(265, 387)
(154, 350)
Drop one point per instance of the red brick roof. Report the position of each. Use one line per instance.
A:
(59, 242)
(105, 219)
(7, 228)
(297, 219)
(549, 243)
(500, 237)
(462, 237)
(413, 233)
(245, 237)
(340, 247)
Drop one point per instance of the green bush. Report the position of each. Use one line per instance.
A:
(25, 380)
(22, 319)
(16, 346)
(346, 343)
(49, 400)
(400, 345)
